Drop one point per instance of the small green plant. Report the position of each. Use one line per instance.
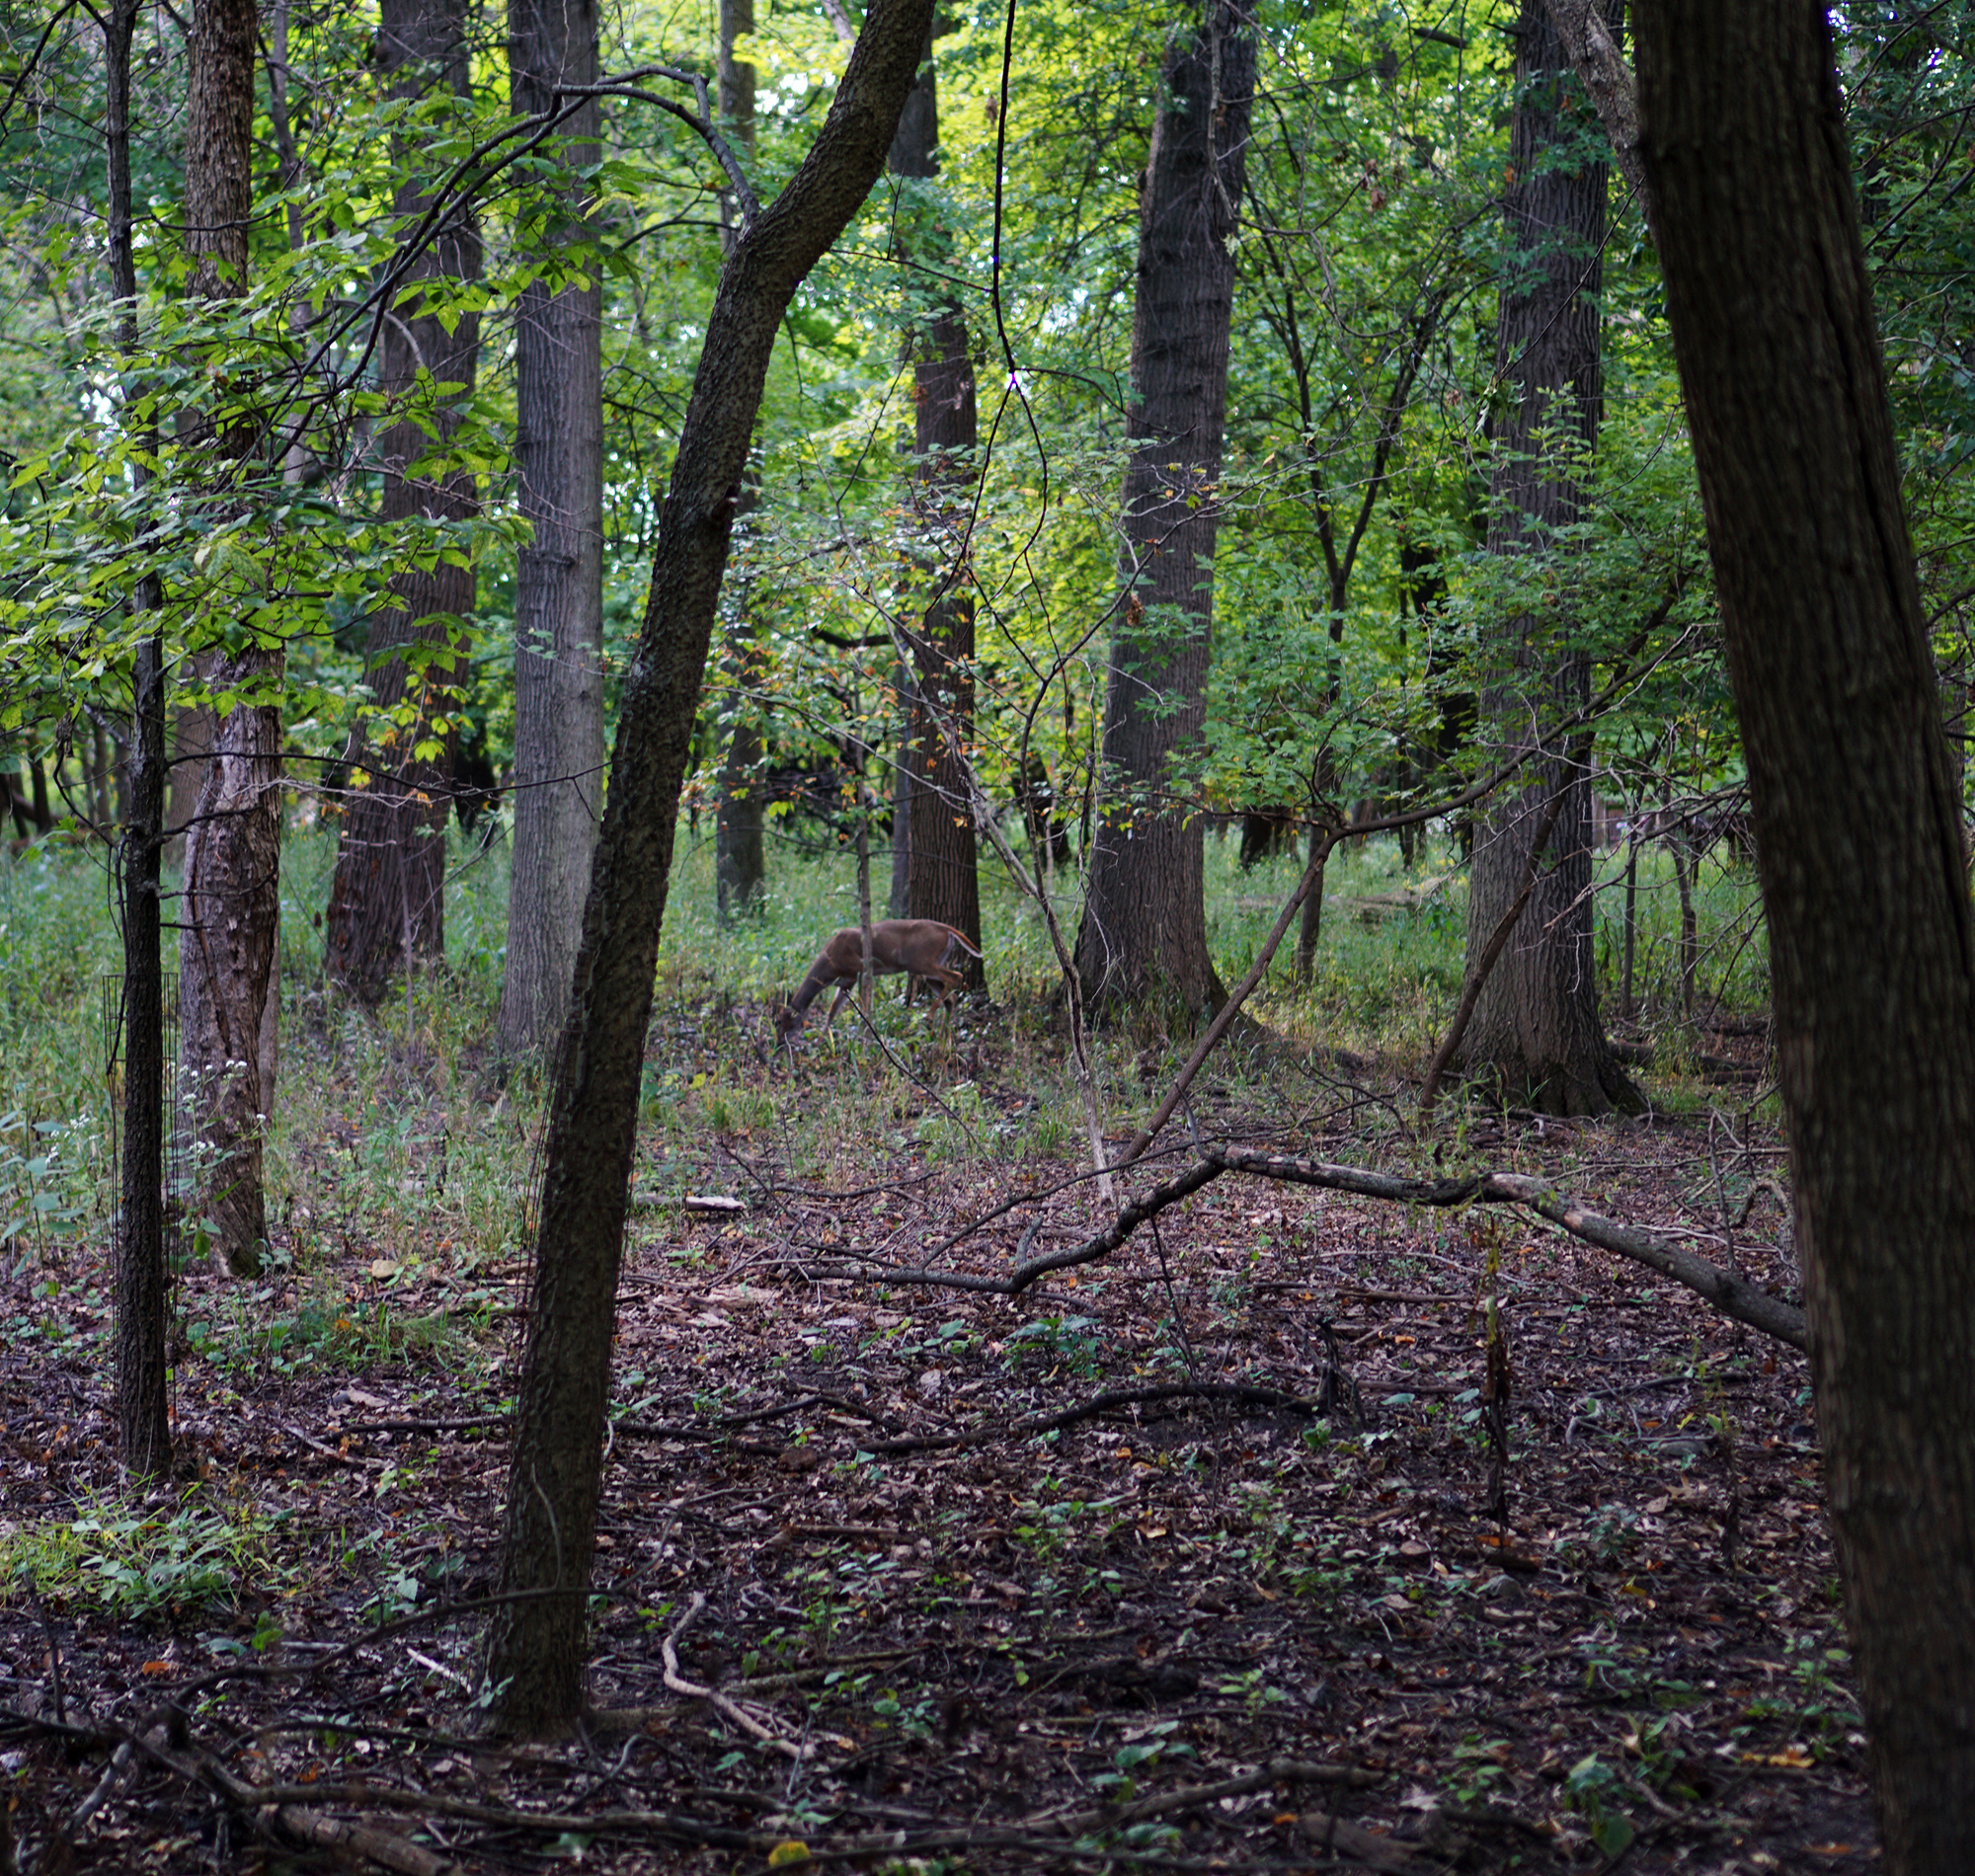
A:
(1077, 1342)
(1155, 1745)
(1479, 1765)
(915, 1721)
(32, 1201)
(1592, 1790)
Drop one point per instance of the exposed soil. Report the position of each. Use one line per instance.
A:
(1189, 1629)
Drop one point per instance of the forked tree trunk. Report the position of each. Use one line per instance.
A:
(559, 574)
(390, 860)
(1858, 843)
(943, 869)
(231, 902)
(1536, 1033)
(535, 1650)
(1145, 917)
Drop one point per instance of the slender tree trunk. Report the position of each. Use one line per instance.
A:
(1857, 842)
(14, 796)
(143, 1428)
(99, 779)
(559, 575)
(1145, 915)
(1309, 927)
(390, 859)
(900, 738)
(555, 1469)
(1535, 1032)
(231, 903)
(740, 864)
(942, 868)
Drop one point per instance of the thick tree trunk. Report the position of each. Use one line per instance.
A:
(1535, 1032)
(942, 871)
(386, 907)
(536, 1649)
(1858, 843)
(232, 860)
(559, 575)
(740, 864)
(143, 1427)
(1145, 917)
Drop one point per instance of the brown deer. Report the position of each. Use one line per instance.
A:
(923, 948)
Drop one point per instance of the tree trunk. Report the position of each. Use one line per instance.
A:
(559, 575)
(390, 858)
(1145, 917)
(899, 736)
(739, 865)
(143, 1426)
(1858, 843)
(536, 1649)
(231, 901)
(1536, 1033)
(191, 749)
(942, 874)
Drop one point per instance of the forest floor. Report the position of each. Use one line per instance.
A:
(936, 1580)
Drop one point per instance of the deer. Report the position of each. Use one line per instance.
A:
(923, 948)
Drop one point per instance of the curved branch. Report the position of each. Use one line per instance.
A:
(1732, 1294)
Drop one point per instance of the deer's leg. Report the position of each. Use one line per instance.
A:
(842, 997)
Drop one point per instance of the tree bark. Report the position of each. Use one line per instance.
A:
(942, 877)
(231, 902)
(740, 864)
(386, 906)
(559, 575)
(1590, 41)
(1535, 1032)
(1859, 846)
(143, 1426)
(1145, 919)
(536, 1649)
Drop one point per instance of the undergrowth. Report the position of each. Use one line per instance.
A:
(394, 1127)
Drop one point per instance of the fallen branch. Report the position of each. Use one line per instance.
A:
(1735, 1296)
(1246, 1394)
(730, 1710)
(1730, 1293)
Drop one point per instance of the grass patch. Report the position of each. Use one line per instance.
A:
(138, 1560)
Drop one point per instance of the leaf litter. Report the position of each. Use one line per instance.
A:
(1248, 1548)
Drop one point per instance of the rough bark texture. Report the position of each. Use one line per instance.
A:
(943, 876)
(1858, 842)
(1535, 1032)
(386, 907)
(535, 1650)
(559, 575)
(143, 1432)
(1588, 31)
(739, 865)
(232, 859)
(1145, 917)
(143, 1428)
(739, 857)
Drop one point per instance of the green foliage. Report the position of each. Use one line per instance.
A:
(144, 1561)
